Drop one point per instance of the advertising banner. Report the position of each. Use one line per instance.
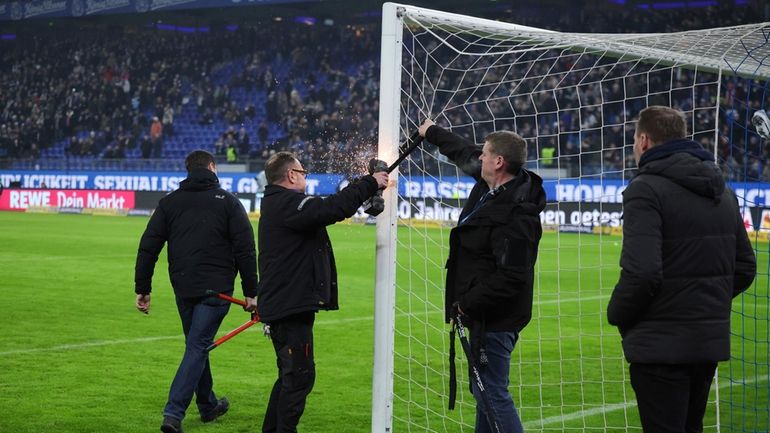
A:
(317, 184)
(428, 197)
(562, 190)
(568, 216)
(757, 219)
(430, 209)
(575, 214)
(23, 199)
(555, 214)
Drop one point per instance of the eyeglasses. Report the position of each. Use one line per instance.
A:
(304, 173)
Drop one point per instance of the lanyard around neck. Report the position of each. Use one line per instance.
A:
(488, 194)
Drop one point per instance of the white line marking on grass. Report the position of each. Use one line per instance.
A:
(90, 344)
(620, 406)
(579, 415)
(558, 301)
(100, 343)
(37, 258)
(530, 424)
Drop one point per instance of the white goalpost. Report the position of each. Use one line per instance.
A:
(574, 98)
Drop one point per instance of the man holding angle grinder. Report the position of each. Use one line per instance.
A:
(298, 275)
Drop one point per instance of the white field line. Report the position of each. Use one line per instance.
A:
(542, 422)
(579, 415)
(97, 343)
(100, 343)
(36, 258)
(621, 406)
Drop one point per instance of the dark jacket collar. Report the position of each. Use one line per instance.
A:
(199, 179)
(526, 189)
(675, 146)
(525, 192)
(275, 189)
(686, 163)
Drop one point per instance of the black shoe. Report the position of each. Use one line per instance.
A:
(220, 409)
(171, 425)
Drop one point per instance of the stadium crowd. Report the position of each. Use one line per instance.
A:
(586, 17)
(97, 96)
(112, 91)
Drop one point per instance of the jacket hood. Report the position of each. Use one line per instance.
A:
(685, 163)
(530, 192)
(199, 179)
(525, 192)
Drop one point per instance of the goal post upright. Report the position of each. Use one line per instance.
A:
(385, 270)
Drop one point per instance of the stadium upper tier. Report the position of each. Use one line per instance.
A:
(117, 96)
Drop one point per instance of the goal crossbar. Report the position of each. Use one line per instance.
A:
(716, 58)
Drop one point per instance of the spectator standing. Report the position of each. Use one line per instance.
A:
(145, 145)
(232, 154)
(168, 121)
(156, 137)
(298, 276)
(262, 134)
(244, 141)
(685, 255)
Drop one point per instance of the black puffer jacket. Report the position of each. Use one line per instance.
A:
(296, 261)
(209, 236)
(492, 254)
(685, 255)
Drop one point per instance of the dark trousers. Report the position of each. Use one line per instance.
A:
(293, 343)
(672, 398)
(201, 318)
(498, 347)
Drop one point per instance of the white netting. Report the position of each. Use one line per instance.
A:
(574, 98)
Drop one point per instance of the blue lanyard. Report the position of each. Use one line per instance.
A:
(488, 194)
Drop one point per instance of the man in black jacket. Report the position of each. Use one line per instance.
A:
(492, 254)
(210, 240)
(298, 276)
(685, 255)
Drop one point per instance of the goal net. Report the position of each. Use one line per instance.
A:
(574, 98)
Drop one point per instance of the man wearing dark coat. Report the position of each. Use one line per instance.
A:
(298, 275)
(210, 240)
(492, 254)
(685, 256)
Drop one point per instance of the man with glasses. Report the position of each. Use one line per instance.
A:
(298, 276)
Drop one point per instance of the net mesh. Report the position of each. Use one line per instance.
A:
(574, 98)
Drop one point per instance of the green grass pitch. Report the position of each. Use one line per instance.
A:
(75, 356)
